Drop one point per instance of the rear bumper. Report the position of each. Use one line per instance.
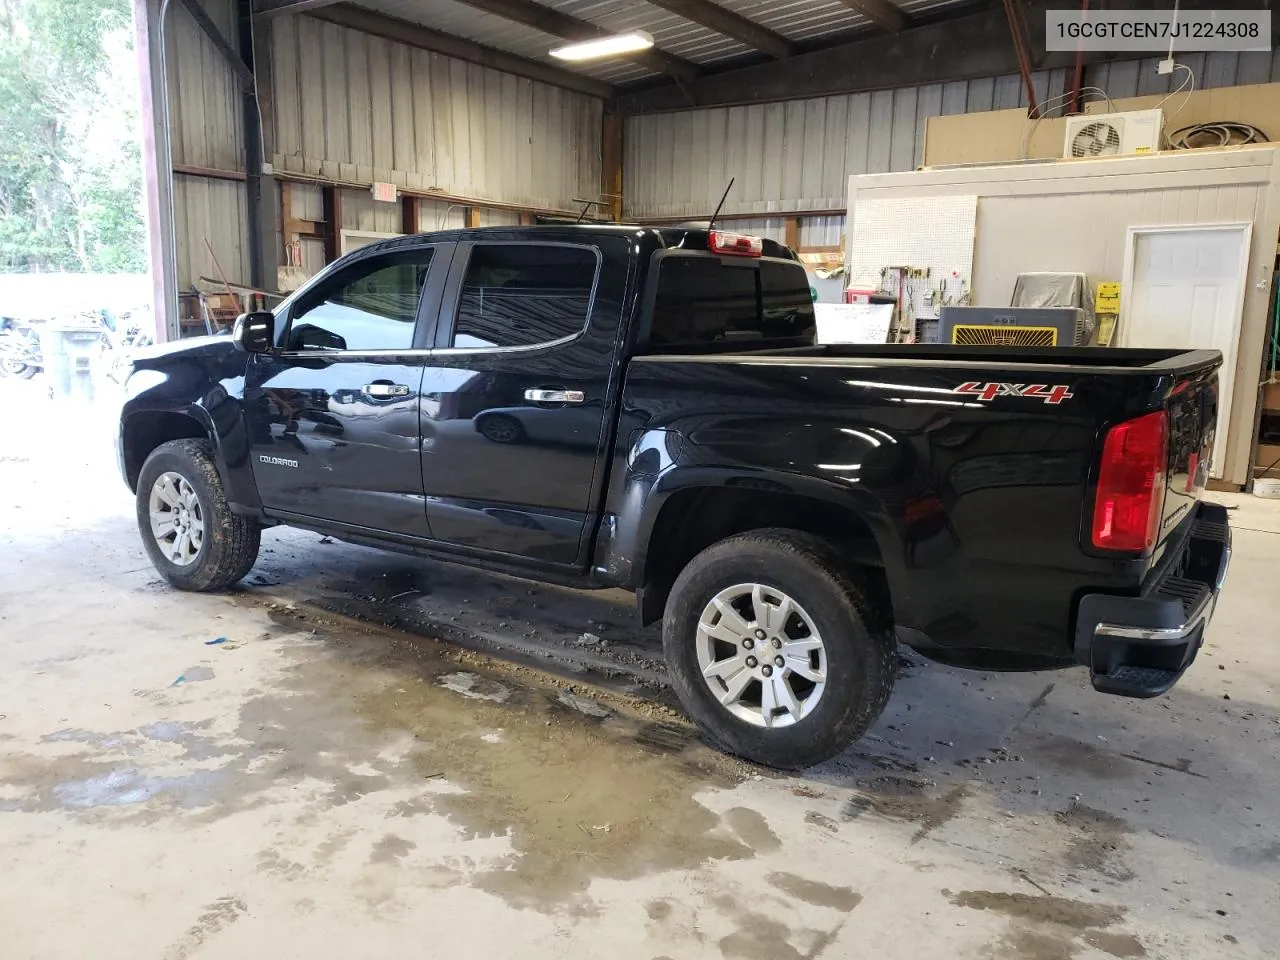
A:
(1140, 646)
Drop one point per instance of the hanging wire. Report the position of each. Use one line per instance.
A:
(1097, 92)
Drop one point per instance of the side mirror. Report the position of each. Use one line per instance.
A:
(255, 332)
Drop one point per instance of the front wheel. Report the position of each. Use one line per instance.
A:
(774, 651)
(187, 526)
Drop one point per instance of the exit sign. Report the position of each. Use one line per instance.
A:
(386, 192)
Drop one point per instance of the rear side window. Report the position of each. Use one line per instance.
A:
(704, 299)
(522, 295)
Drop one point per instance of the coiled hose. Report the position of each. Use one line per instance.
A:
(1219, 133)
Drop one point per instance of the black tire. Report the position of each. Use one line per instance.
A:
(231, 542)
(500, 428)
(857, 636)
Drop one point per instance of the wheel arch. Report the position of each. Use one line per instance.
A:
(142, 431)
(686, 514)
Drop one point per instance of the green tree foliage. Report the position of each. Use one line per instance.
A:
(70, 174)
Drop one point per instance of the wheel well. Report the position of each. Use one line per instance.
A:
(692, 520)
(143, 432)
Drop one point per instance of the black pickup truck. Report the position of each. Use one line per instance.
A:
(646, 408)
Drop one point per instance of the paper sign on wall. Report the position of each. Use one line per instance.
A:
(853, 322)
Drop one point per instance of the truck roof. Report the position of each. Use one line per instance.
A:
(688, 236)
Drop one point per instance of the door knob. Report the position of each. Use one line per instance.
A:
(383, 391)
(555, 396)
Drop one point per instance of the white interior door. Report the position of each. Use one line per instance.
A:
(1184, 288)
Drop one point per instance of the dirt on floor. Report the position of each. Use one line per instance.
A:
(359, 755)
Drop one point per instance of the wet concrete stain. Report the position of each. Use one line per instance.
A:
(196, 674)
(658, 909)
(1077, 757)
(553, 786)
(1124, 945)
(821, 821)
(215, 918)
(753, 829)
(1074, 914)
(908, 798)
(534, 624)
(1181, 765)
(1052, 928)
(1098, 842)
(550, 786)
(761, 937)
(816, 892)
(475, 687)
(195, 744)
(124, 786)
(391, 849)
(1026, 943)
(1037, 702)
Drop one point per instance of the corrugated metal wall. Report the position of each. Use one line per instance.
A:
(356, 108)
(213, 210)
(798, 155)
(206, 131)
(795, 155)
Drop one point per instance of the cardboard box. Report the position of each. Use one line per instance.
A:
(1002, 135)
(1271, 396)
(1263, 458)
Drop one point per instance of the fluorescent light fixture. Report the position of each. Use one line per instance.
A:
(632, 41)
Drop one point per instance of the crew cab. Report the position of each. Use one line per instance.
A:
(646, 408)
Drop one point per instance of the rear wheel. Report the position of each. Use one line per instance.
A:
(187, 526)
(774, 651)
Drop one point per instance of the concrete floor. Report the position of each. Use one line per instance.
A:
(321, 786)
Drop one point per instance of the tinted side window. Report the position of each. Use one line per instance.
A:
(371, 305)
(522, 295)
(703, 299)
(787, 307)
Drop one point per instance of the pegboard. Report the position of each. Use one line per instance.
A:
(936, 233)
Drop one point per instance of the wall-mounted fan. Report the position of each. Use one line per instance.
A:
(1113, 134)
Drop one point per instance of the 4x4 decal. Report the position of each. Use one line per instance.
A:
(1049, 393)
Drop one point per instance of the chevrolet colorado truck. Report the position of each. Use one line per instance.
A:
(646, 408)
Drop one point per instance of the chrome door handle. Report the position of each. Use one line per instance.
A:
(383, 391)
(555, 396)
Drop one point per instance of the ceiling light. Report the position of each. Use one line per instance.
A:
(614, 46)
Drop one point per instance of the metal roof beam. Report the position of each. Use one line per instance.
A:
(731, 24)
(960, 48)
(270, 8)
(884, 13)
(416, 35)
(561, 25)
(229, 53)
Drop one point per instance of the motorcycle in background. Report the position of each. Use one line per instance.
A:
(20, 355)
(121, 335)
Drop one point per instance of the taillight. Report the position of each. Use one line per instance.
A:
(1130, 501)
(736, 243)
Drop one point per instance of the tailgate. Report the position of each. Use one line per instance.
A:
(1193, 419)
